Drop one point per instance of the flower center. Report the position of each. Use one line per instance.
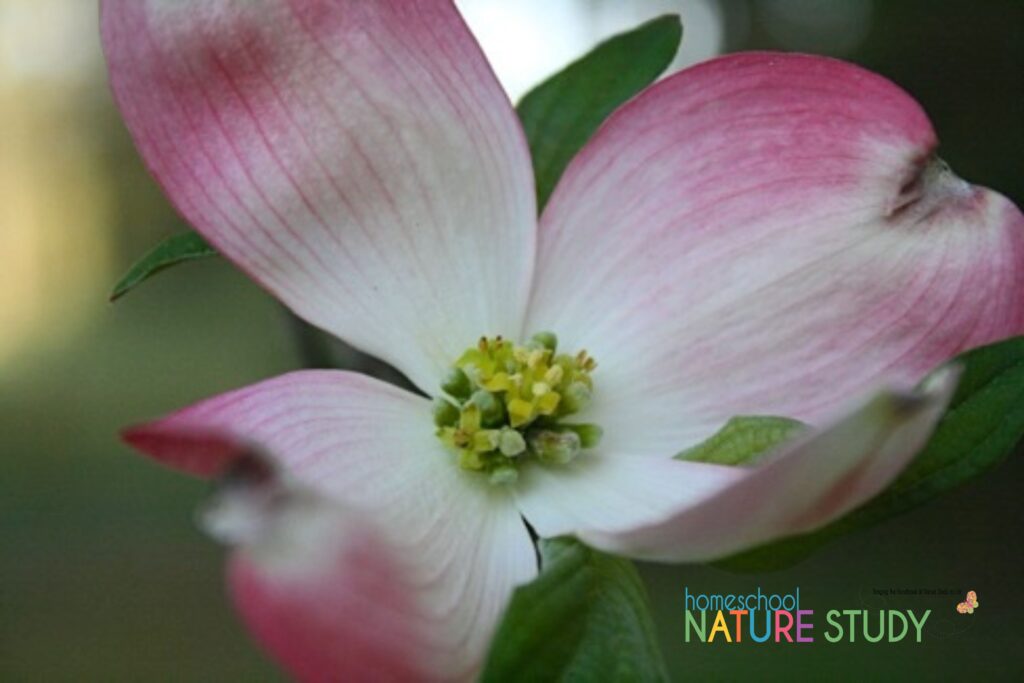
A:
(506, 404)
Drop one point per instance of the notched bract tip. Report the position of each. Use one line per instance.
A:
(930, 188)
(244, 498)
(283, 525)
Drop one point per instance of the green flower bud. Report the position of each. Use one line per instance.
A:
(445, 414)
(575, 398)
(590, 434)
(457, 385)
(558, 448)
(544, 340)
(504, 474)
(511, 443)
(492, 410)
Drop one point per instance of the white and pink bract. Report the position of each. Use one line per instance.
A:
(759, 234)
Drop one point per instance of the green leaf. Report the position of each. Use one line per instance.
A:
(561, 114)
(186, 246)
(585, 618)
(743, 440)
(983, 425)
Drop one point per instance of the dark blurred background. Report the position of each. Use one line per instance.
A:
(104, 576)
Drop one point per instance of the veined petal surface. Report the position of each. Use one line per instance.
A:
(370, 447)
(674, 510)
(767, 234)
(358, 159)
(329, 595)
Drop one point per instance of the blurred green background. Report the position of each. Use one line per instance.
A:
(103, 575)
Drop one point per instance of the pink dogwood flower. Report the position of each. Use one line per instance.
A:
(758, 234)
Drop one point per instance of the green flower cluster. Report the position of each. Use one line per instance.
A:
(505, 403)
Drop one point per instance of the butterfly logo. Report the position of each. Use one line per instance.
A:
(968, 605)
